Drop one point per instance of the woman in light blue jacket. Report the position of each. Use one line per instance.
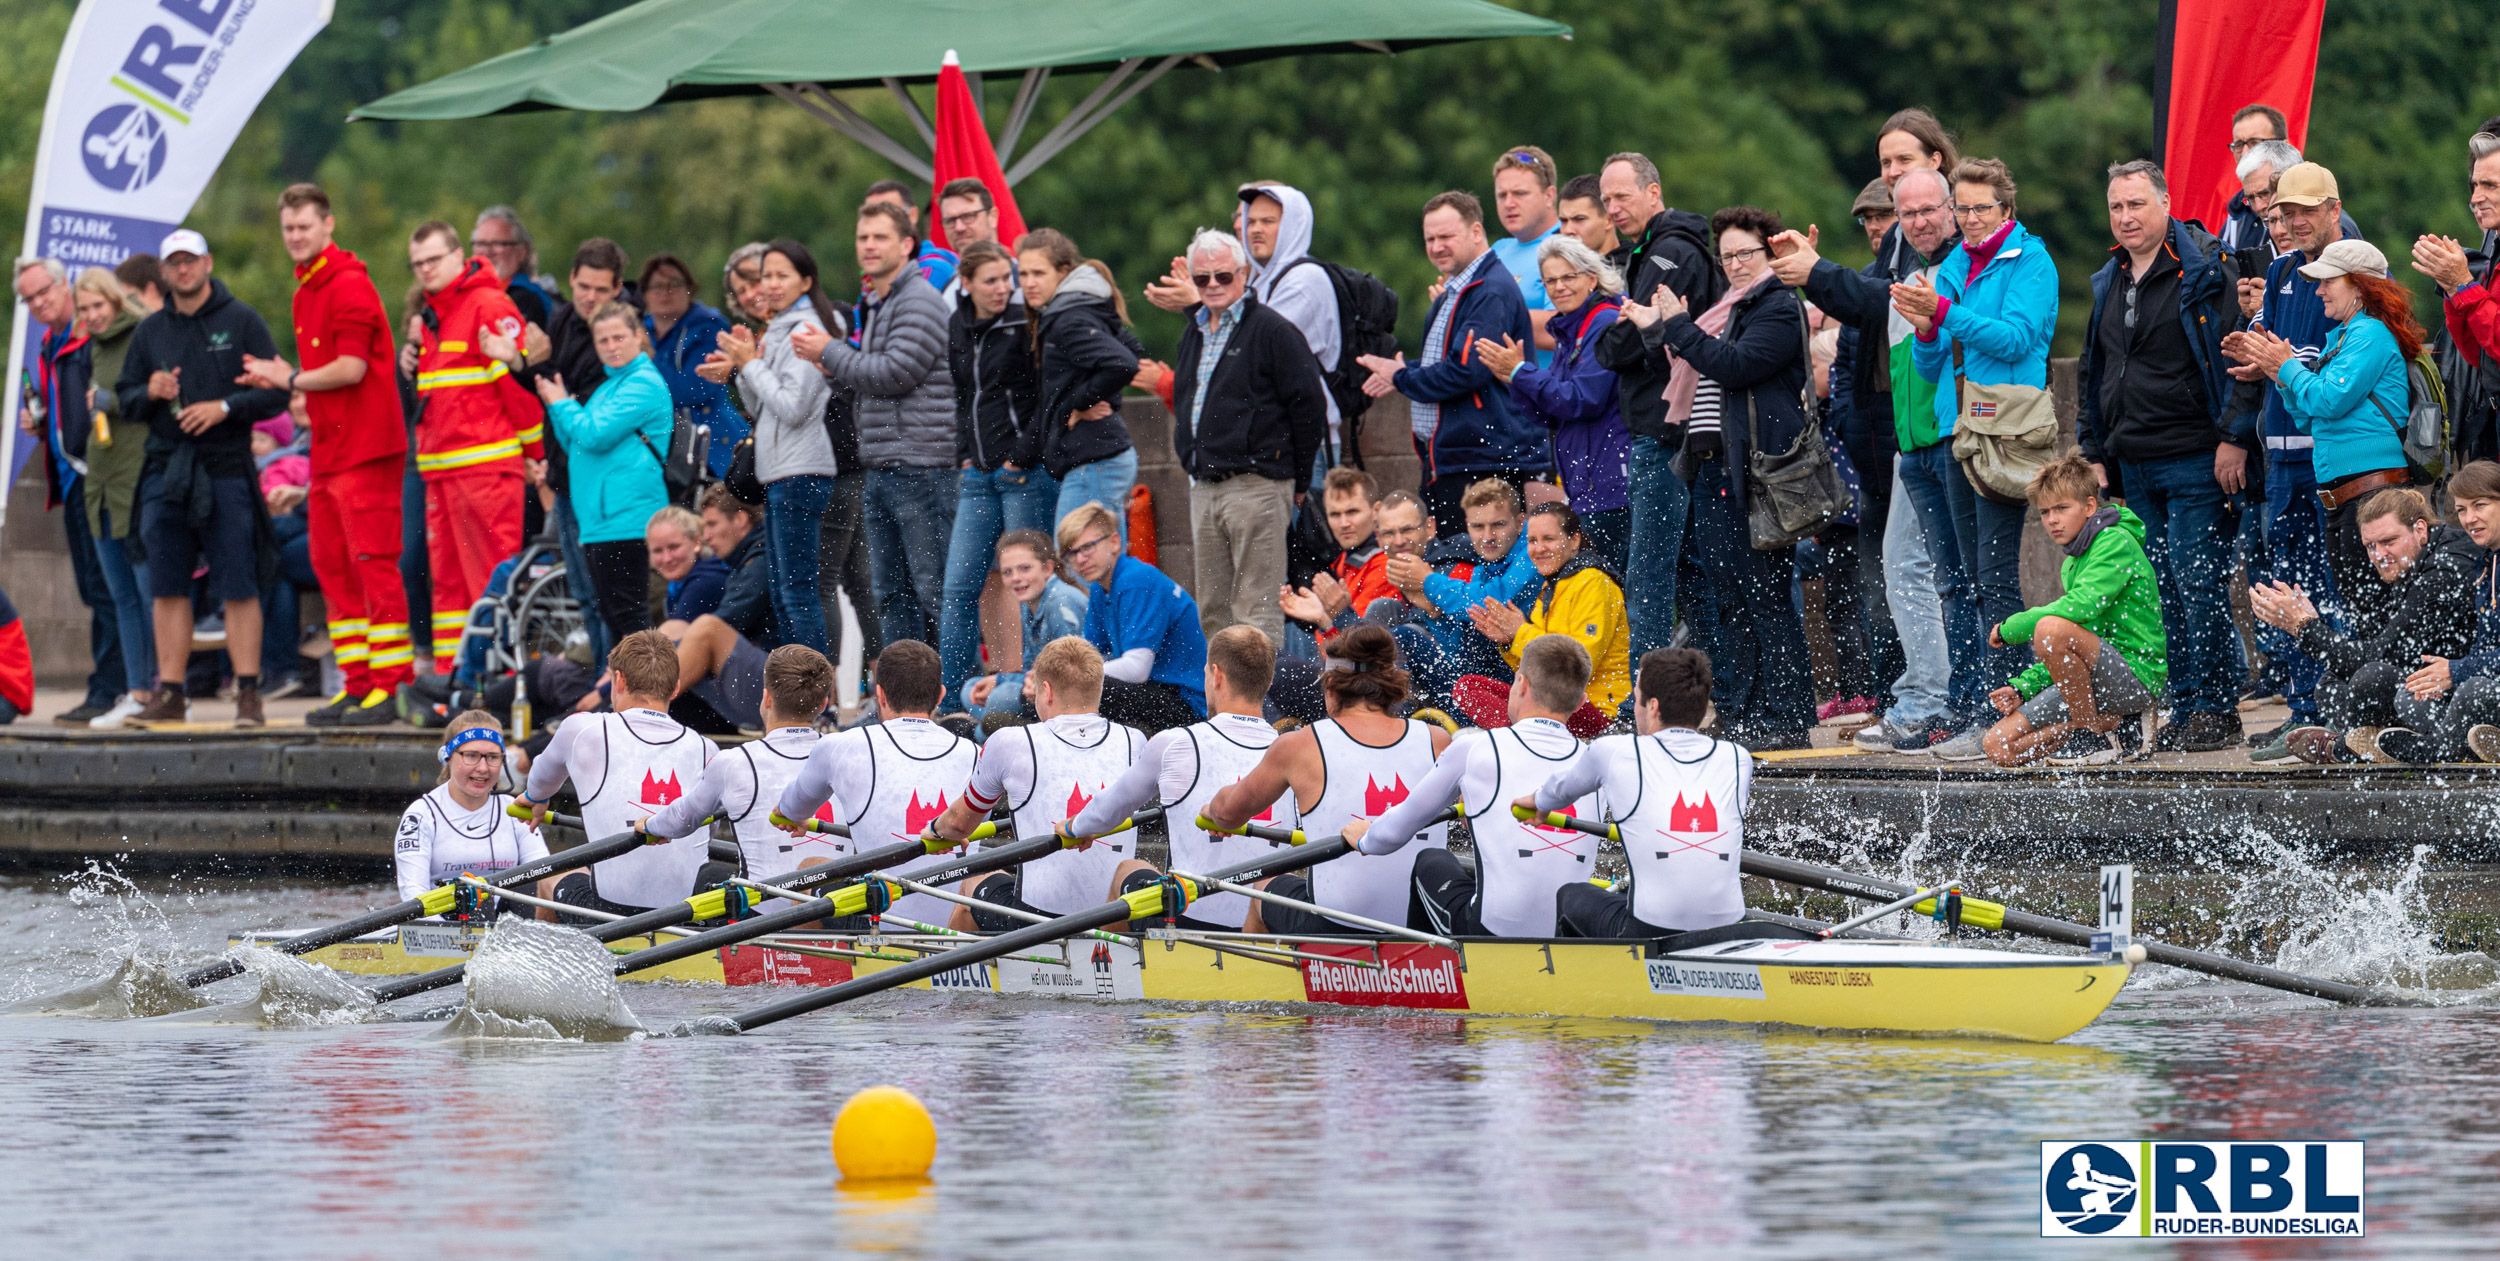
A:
(1995, 300)
(618, 443)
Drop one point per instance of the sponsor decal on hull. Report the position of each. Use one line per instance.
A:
(1409, 976)
(1705, 980)
(759, 965)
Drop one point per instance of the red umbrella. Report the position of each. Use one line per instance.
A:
(963, 150)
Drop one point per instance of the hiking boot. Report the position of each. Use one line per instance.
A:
(2200, 733)
(2362, 743)
(2403, 744)
(169, 709)
(375, 710)
(2318, 746)
(2086, 747)
(2484, 740)
(247, 707)
(81, 716)
(1969, 746)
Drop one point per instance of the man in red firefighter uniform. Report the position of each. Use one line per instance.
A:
(476, 427)
(359, 453)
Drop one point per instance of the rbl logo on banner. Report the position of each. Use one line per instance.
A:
(2229, 1190)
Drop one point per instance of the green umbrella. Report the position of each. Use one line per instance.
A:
(799, 50)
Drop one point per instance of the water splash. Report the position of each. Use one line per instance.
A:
(2346, 925)
(530, 980)
(131, 938)
(136, 989)
(297, 994)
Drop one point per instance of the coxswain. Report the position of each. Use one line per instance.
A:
(625, 765)
(461, 825)
(1677, 797)
(742, 784)
(1353, 764)
(1046, 773)
(883, 781)
(1519, 866)
(1184, 767)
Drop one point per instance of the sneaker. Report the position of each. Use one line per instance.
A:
(170, 708)
(2362, 743)
(1877, 736)
(295, 685)
(1839, 707)
(2273, 736)
(2404, 745)
(119, 716)
(2135, 737)
(2318, 746)
(2277, 746)
(375, 710)
(960, 723)
(247, 708)
(1969, 746)
(209, 632)
(84, 715)
(1924, 736)
(2085, 747)
(2263, 690)
(2484, 740)
(328, 715)
(2200, 733)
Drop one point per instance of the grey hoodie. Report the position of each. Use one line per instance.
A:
(1303, 295)
(906, 393)
(786, 395)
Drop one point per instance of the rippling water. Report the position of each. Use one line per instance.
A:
(1068, 1128)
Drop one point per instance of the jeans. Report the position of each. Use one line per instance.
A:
(1760, 657)
(2188, 527)
(793, 507)
(577, 582)
(2296, 548)
(1661, 503)
(842, 569)
(111, 675)
(127, 583)
(1106, 481)
(1006, 695)
(1609, 535)
(281, 604)
(2446, 719)
(1923, 693)
(1928, 476)
(910, 517)
(1989, 537)
(415, 580)
(987, 506)
(1871, 453)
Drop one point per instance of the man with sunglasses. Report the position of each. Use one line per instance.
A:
(1249, 411)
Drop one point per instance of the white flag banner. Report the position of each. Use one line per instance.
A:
(145, 101)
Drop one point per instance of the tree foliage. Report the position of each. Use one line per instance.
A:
(1756, 101)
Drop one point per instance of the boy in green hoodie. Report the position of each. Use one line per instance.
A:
(2102, 656)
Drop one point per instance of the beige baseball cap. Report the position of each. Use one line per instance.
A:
(2306, 184)
(2348, 257)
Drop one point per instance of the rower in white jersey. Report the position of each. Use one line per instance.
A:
(624, 766)
(461, 825)
(743, 784)
(1677, 796)
(1519, 866)
(884, 781)
(1046, 773)
(1353, 764)
(1184, 767)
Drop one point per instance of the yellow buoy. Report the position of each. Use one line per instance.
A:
(883, 1132)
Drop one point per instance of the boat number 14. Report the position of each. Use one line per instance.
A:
(2117, 926)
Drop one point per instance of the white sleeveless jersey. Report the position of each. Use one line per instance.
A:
(1360, 782)
(1683, 827)
(1073, 760)
(1519, 866)
(911, 779)
(1204, 759)
(624, 768)
(750, 778)
(438, 839)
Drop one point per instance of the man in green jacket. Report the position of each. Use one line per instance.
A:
(2100, 649)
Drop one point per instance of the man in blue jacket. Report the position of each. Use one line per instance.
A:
(1465, 428)
(2155, 401)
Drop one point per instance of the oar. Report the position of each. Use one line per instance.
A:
(1984, 914)
(1145, 903)
(436, 900)
(715, 903)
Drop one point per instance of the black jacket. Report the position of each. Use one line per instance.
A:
(1675, 251)
(2433, 609)
(1087, 356)
(208, 347)
(746, 600)
(997, 388)
(1862, 299)
(1267, 405)
(1762, 356)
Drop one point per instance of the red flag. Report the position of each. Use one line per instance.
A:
(963, 151)
(2225, 54)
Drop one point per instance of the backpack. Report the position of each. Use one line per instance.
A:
(1367, 324)
(681, 470)
(2423, 429)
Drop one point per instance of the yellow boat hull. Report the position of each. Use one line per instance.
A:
(1899, 987)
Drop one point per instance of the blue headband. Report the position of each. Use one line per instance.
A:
(459, 738)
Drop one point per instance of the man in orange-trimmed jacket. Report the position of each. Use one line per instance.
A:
(476, 427)
(359, 445)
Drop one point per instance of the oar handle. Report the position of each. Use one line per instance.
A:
(1281, 836)
(1557, 819)
(521, 809)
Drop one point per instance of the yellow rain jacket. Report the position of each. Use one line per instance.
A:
(1582, 602)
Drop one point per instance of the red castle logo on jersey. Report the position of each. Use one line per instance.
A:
(1377, 798)
(1703, 817)
(825, 812)
(660, 792)
(916, 817)
(1077, 800)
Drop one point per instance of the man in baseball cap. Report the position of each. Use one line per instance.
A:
(198, 498)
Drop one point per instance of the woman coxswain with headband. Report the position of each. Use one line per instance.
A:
(461, 826)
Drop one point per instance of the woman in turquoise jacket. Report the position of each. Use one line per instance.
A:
(616, 443)
(1995, 299)
(2352, 399)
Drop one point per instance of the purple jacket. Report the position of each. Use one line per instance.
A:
(1575, 400)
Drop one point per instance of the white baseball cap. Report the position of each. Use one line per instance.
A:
(182, 241)
(2345, 257)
